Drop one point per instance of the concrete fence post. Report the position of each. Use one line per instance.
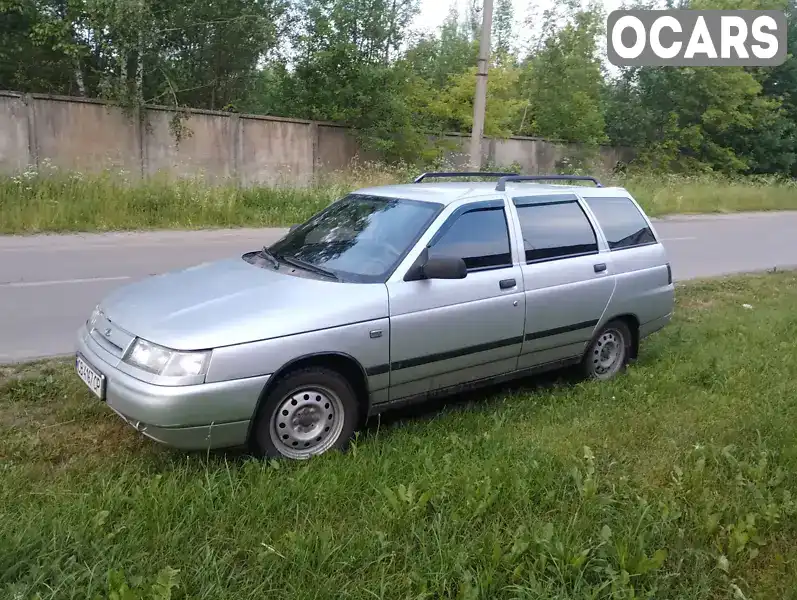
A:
(33, 140)
(139, 130)
(315, 158)
(235, 148)
(143, 140)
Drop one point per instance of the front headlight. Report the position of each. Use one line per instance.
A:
(164, 361)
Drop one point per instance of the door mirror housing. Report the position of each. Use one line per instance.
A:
(445, 268)
(436, 268)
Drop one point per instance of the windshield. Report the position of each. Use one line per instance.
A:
(359, 238)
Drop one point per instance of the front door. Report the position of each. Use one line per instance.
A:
(447, 332)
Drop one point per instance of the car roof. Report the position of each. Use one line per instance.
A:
(448, 192)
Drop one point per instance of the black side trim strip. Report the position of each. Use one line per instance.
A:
(430, 358)
(548, 349)
(377, 370)
(559, 330)
(469, 385)
(492, 361)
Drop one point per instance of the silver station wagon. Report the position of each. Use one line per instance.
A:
(390, 295)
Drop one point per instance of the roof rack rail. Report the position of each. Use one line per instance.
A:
(501, 185)
(462, 174)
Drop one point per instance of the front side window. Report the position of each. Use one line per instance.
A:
(359, 238)
(621, 222)
(479, 236)
(554, 230)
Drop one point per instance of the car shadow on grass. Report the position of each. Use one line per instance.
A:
(429, 409)
(419, 412)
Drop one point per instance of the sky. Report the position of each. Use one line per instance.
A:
(433, 12)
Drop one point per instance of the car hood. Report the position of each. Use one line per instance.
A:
(232, 302)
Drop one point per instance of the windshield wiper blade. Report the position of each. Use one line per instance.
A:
(309, 267)
(267, 254)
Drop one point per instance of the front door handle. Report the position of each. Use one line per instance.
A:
(600, 267)
(505, 284)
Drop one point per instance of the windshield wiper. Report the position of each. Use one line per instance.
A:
(309, 267)
(267, 254)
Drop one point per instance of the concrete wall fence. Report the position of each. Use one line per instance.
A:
(89, 136)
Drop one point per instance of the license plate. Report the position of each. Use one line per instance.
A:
(90, 376)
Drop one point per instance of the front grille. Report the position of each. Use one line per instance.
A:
(111, 337)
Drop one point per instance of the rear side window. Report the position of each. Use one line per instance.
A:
(554, 229)
(480, 237)
(621, 222)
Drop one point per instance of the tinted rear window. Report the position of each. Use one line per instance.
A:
(621, 221)
(553, 230)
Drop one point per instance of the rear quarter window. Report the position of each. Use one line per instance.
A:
(621, 221)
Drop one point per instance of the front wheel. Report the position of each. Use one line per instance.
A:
(309, 412)
(608, 353)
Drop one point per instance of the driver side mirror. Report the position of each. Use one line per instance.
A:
(442, 267)
(445, 268)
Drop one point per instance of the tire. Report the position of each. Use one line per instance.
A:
(307, 413)
(608, 353)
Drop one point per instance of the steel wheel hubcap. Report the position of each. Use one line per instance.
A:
(607, 353)
(307, 421)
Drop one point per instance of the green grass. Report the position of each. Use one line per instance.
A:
(52, 201)
(677, 480)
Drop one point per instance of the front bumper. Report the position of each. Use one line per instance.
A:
(190, 417)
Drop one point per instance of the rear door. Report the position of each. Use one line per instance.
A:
(567, 276)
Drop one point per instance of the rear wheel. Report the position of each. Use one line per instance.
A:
(608, 353)
(307, 413)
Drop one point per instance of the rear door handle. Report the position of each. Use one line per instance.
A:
(505, 284)
(600, 267)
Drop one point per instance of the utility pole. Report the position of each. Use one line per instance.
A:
(480, 100)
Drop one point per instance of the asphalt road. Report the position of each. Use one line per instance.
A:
(50, 283)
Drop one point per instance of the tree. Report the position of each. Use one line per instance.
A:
(358, 63)
(27, 62)
(347, 70)
(194, 53)
(452, 107)
(209, 51)
(503, 36)
(439, 57)
(707, 118)
(564, 85)
(56, 29)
